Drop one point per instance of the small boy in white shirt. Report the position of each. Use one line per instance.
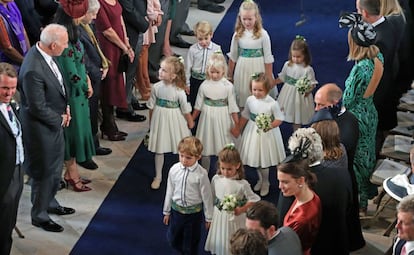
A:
(188, 193)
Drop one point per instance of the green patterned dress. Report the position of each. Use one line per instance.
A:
(78, 136)
(364, 110)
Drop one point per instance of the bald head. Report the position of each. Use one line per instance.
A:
(327, 95)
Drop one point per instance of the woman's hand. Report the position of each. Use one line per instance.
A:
(104, 72)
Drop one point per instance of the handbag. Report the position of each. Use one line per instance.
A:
(123, 63)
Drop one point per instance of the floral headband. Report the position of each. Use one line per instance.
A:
(300, 37)
(180, 59)
(362, 32)
(255, 76)
(230, 146)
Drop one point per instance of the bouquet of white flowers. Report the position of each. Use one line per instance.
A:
(229, 203)
(146, 140)
(303, 85)
(263, 122)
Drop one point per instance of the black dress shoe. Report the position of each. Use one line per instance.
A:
(50, 226)
(61, 210)
(139, 107)
(100, 151)
(188, 32)
(180, 43)
(219, 1)
(89, 164)
(130, 116)
(212, 8)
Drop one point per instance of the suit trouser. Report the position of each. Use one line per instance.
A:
(94, 110)
(132, 70)
(155, 49)
(8, 210)
(43, 195)
(184, 232)
(181, 15)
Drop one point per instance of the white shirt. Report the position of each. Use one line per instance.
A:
(17, 132)
(188, 186)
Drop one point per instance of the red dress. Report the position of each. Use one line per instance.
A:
(113, 86)
(305, 221)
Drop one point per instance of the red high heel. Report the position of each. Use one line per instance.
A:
(82, 179)
(71, 182)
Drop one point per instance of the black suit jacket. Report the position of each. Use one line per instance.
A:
(42, 103)
(384, 97)
(93, 61)
(7, 155)
(134, 13)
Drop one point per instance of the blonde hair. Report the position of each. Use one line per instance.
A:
(203, 28)
(249, 5)
(391, 7)
(190, 145)
(329, 132)
(357, 52)
(218, 62)
(231, 155)
(261, 78)
(177, 67)
(300, 44)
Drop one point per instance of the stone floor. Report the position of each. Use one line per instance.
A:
(40, 242)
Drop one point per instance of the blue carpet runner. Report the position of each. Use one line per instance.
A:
(129, 220)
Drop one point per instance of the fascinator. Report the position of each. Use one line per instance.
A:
(74, 8)
(362, 32)
(300, 152)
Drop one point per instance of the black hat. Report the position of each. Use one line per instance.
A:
(322, 114)
(362, 32)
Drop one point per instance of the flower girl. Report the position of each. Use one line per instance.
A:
(217, 104)
(233, 196)
(261, 144)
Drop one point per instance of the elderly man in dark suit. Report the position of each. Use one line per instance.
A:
(44, 113)
(11, 157)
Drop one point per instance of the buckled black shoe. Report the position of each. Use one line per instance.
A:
(89, 164)
(101, 151)
(212, 7)
(50, 226)
(61, 210)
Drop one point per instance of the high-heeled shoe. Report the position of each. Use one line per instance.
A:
(71, 182)
(113, 136)
(122, 133)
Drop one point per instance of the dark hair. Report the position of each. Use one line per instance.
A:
(299, 169)
(372, 7)
(300, 44)
(264, 212)
(67, 21)
(248, 242)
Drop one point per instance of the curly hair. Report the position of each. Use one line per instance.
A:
(315, 151)
(177, 67)
(249, 5)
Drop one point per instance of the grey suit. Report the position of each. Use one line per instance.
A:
(43, 101)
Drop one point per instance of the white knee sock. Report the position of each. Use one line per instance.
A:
(159, 163)
(265, 175)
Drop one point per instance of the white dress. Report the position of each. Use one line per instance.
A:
(297, 108)
(246, 66)
(168, 125)
(216, 101)
(261, 149)
(224, 224)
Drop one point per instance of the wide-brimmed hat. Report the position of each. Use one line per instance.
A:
(74, 8)
(322, 114)
(398, 186)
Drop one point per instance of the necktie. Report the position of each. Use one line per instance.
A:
(57, 73)
(9, 111)
(204, 63)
